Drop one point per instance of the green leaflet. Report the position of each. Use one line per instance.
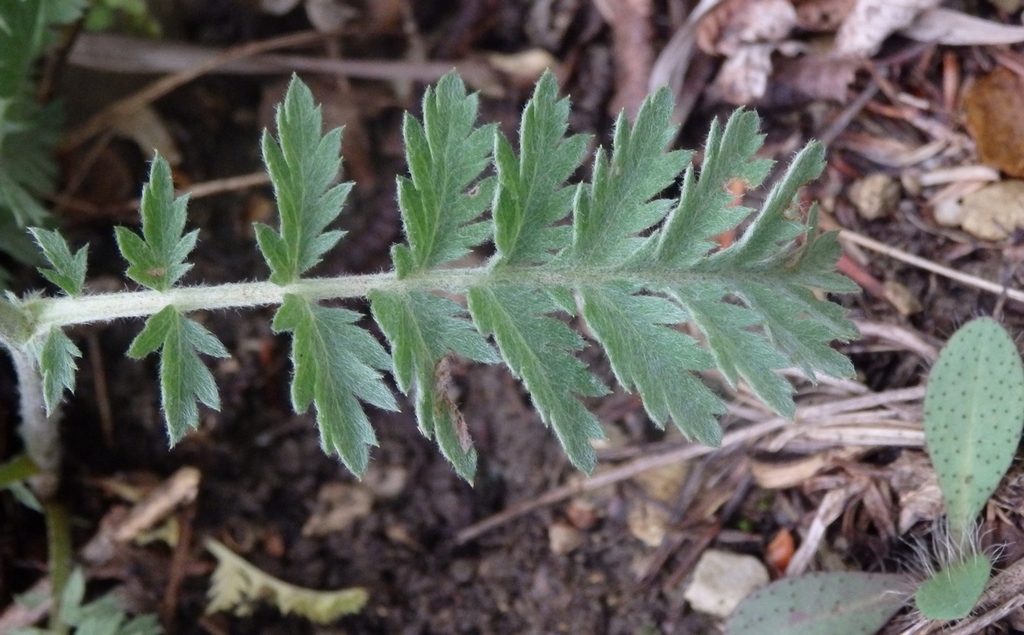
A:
(303, 167)
(29, 131)
(184, 378)
(68, 271)
(539, 350)
(157, 259)
(446, 156)
(57, 365)
(422, 329)
(101, 616)
(617, 205)
(335, 365)
(531, 196)
(690, 227)
(239, 586)
(663, 374)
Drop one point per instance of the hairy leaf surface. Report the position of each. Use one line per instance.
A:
(335, 365)
(532, 194)
(303, 167)
(446, 155)
(539, 350)
(657, 361)
(617, 204)
(184, 378)
(68, 271)
(422, 329)
(157, 258)
(57, 365)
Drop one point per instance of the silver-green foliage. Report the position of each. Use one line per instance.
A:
(834, 603)
(973, 415)
(629, 263)
(951, 593)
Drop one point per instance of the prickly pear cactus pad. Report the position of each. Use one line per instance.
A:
(848, 602)
(973, 414)
(952, 593)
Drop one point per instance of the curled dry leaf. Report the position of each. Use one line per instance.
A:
(872, 21)
(747, 32)
(630, 23)
(945, 26)
(743, 77)
(734, 23)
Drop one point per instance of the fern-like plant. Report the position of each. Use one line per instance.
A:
(28, 131)
(631, 265)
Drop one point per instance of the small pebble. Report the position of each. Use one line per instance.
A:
(563, 538)
(722, 579)
(875, 196)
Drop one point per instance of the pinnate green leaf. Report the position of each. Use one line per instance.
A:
(67, 270)
(422, 329)
(617, 204)
(657, 361)
(57, 365)
(531, 194)
(303, 167)
(335, 364)
(157, 258)
(729, 155)
(539, 350)
(184, 378)
(443, 197)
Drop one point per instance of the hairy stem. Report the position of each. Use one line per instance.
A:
(68, 311)
(40, 432)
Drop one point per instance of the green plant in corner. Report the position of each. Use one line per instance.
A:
(101, 616)
(973, 417)
(29, 131)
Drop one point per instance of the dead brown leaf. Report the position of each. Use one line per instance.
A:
(630, 22)
(993, 104)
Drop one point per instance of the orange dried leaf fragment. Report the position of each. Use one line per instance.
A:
(993, 104)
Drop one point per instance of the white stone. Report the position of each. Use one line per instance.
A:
(722, 579)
